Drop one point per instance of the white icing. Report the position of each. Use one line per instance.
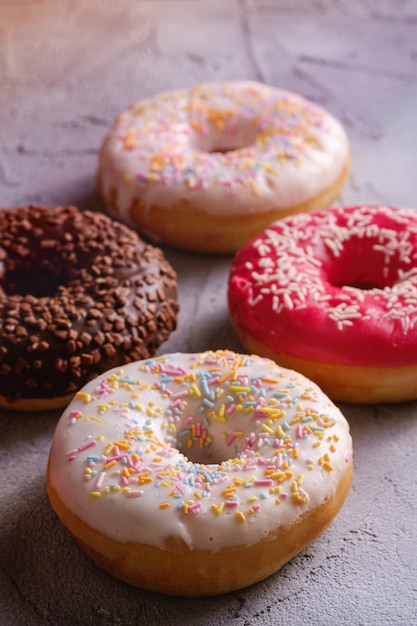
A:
(252, 434)
(282, 150)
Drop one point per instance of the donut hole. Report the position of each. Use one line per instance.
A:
(200, 453)
(206, 446)
(227, 148)
(34, 280)
(358, 275)
(33, 258)
(357, 283)
(222, 150)
(230, 139)
(359, 266)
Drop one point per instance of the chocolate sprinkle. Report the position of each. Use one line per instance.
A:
(79, 294)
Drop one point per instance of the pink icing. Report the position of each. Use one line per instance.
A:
(336, 286)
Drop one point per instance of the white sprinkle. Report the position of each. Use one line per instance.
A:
(287, 300)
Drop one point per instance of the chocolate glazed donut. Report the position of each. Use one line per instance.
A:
(79, 294)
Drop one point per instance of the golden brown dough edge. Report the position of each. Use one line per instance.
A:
(192, 229)
(345, 383)
(179, 571)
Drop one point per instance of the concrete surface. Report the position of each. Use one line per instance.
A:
(66, 70)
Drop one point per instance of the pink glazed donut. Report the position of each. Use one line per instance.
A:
(333, 294)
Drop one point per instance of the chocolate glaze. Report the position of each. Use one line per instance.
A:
(79, 294)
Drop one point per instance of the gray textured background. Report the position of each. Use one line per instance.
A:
(66, 70)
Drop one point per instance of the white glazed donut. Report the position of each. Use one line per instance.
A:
(198, 474)
(207, 168)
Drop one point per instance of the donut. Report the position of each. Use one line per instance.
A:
(79, 294)
(207, 168)
(198, 474)
(333, 294)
